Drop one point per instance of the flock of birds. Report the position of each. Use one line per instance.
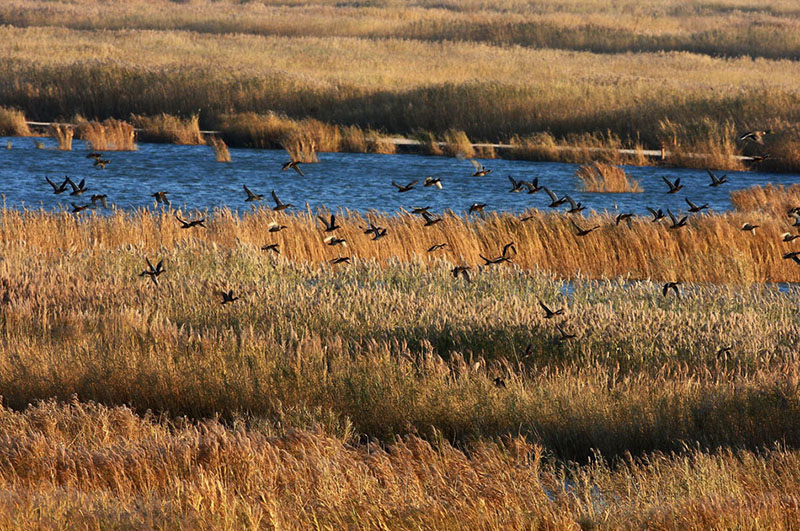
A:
(330, 226)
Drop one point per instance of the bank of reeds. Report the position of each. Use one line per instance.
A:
(220, 148)
(166, 128)
(12, 123)
(606, 178)
(83, 465)
(109, 135)
(772, 199)
(704, 143)
(63, 135)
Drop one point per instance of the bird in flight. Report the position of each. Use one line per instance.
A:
(657, 214)
(627, 217)
(516, 186)
(406, 188)
(430, 219)
(250, 195)
(794, 255)
(333, 240)
(341, 260)
(754, 136)
(153, 272)
(463, 271)
(433, 181)
(59, 189)
(670, 286)
(192, 223)
(750, 227)
(548, 313)
(331, 225)
(556, 202)
(293, 164)
(279, 205)
(227, 296)
(80, 208)
(674, 186)
(161, 197)
(787, 236)
(77, 189)
(436, 247)
(582, 231)
(564, 336)
(480, 171)
(275, 227)
(694, 208)
(574, 207)
(532, 186)
(477, 207)
(271, 247)
(102, 198)
(676, 224)
(716, 181)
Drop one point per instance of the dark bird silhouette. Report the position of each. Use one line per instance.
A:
(419, 210)
(564, 336)
(433, 181)
(59, 189)
(759, 158)
(724, 352)
(192, 223)
(509, 247)
(250, 195)
(477, 207)
(293, 164)
(436, 247)
(94, 155)
(279, 205)
(496, 260)
(161, 197)
(754, 136)
(574, 207)
(788, 237)
(101, 163)
(673, 186)
(516, 186)
(331, 225)
(627, 217)
(271, 247)
(532, 186)
(372, 229)
(463, 271)
(333, 240)
(80, 208)
(227, 296)
(153, 272)
(430, 219)
(77, 189)
(555, 201)
(548, 313)
(581, 231)
(657, 214)
(671, 286)
(694, 208)
(480, 171)
(341, 260)
(406, 188)
(749, 226)
(275, 227)
(379, 233)
(716, 181)
(499, 382)
(794, 255)
(676, 224)
(102, 198)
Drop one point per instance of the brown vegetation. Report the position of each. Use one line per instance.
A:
(63, 134)
(168, 129)
(109, 135)
(220, 148)
(12, 123)
(771, 199)
(606, 178)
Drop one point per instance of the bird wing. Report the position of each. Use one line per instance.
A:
(545, 308)
(669, 183)
(549, 192)
(160, 265)
(672, 216)
(692, 205)
(149, 264)
(248, 191)
(81, 184)
(296, 168)
(714, 178)
(508, 246)
(275, 197)
(54, 185)
(478, 165)
(397, 185)
(571, 201)
(412, 183)
(655, 214)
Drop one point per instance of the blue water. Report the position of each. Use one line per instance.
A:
(352, 181)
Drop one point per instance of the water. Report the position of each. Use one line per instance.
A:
(352, 181)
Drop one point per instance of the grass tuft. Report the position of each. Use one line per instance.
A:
(606, 178)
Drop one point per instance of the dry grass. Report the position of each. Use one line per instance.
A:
(771, 199)
(63, 134)
(715, 142)
(109, 135)
(168, 129)
(457, 143)
(606, 178)
(220, 148)
(12, 123)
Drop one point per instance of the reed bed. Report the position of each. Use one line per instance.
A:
(606, 178)
(63, 135)
(165, 128)
(12, 122)
(85, 465)
(775, 200)
(220, 148)
(109, 135)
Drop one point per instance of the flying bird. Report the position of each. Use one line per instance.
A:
(749, 226)
(192, 223)
(433, 181)
(333, 240)
(532, 186)
(59, 189)
(80, 208)
(101, 163)
(582, 231)
(787, 237)
(716, 181)
(153, 272)
(754, 136)
(794, 255)
(676, 224)
(477, 207)
(673, 186)
(331, 225)
(227, 296)
(161, 197)
(430, 219)
(279, 205)
(271, 247)
(293, 164)
(275, 227)
(548, 313)
(436, 247)
(102, 198)
(77, 189)
(480, 171)
(463, 271)
(694, 208)
(657, 214)
(671, 286)
(406, 188)
(250, 195)
(574, 207)
(564, 336)
(556, 202)
(627, 217)
(516, 186)
(341, 260)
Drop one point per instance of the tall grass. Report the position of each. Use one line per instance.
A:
(12, 123)
(109, 135)
(168, 129)
(220, 148)
(606, 178)
(63, 134)
(772, 199)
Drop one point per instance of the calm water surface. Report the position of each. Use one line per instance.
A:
(352, 181)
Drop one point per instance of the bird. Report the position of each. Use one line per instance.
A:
(275, 227)
(372, 229)
(480, 171)
(627, 217)
(227, 296)
(574, 207)
(341, 260)
(101, 163)
(153, 272)
(331, 225)
(102, 198)
(189, 224)
(293, 164)
(676, 224)
(80, 208)
(749, 226)
(794, 255)
(58, 189)
(463, 271)
(754, 136)
(581, 231)
(430, 219)
(406, 188)
(657, 214)
(564, 336)
(716, 181)
(94, 155)
(250, 195)
(787, 237)
(279, 205)
(433, 181)
(333, 240)
(477, 207)
(532, 186)
(496, 260)
(759, 158)
(724, 352)
(509, 247)
(556, 202)
(436, 247)
(548, 313)
(516, 186)
(419, 210)
(671, 286)
(77, 189)
(379, 233)
(271, 247)
(161, 197)
(694, 208)
(499, 382)
(673, 186)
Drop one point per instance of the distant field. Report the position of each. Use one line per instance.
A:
(647, 73)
